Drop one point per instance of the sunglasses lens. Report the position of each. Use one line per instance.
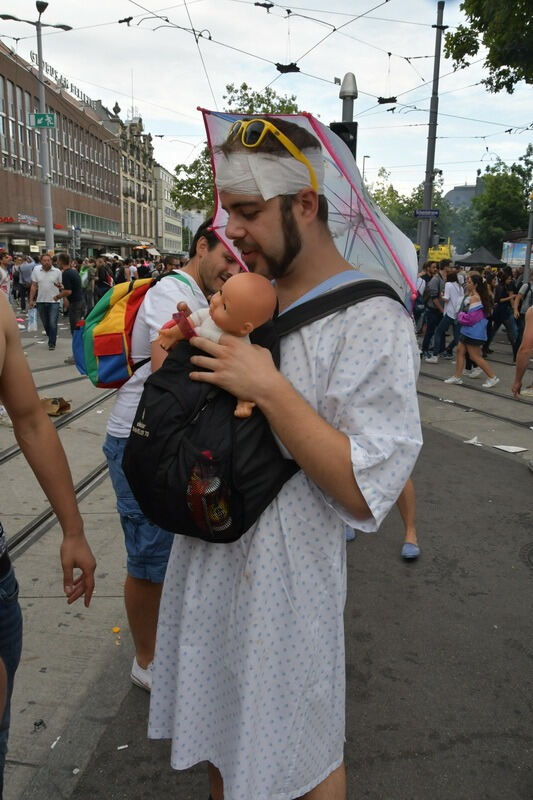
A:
(253, 132)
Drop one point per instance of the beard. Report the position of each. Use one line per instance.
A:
(292, 242)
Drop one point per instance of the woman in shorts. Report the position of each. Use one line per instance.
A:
(473, 331)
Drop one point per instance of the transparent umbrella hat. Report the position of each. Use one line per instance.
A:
(364, 236)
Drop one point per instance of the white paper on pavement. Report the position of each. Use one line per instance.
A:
(509, 448)
(475, 441)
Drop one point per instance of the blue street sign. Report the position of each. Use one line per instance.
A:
(428, 213)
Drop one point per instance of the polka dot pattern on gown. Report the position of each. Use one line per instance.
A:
(250, 669)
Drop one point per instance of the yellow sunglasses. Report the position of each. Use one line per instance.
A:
(253, 131)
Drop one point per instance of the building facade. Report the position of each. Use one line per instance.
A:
(85, 165)
(169, 221)
(138, 208)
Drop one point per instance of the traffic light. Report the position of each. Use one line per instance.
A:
(347, 131)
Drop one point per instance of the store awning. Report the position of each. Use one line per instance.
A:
(153, 251)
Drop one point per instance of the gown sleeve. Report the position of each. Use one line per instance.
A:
(370, 395)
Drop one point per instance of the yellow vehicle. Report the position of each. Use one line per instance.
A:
(441, 251)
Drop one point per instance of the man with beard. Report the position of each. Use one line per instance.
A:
(147, 545)
(249, 673)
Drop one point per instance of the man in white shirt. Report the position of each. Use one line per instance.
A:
(452, 298)
(147, 545)
(45, 285)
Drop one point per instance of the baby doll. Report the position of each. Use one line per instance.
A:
(244, 302)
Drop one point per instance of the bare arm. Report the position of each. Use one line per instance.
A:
(44, 453)
(524, 353)
(33, 293)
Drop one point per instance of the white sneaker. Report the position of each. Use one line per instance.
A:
(475, 372)
(141, 677)
(490, 382)
(431, 359)
(527, 392)
(453, 379)
(467, 373)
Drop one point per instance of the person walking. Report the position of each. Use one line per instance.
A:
(26, 269)
(504, 295)
(523, 300)
(452, 301)
(434, 305)
(147, 545)
(473, 331)
(45, 285)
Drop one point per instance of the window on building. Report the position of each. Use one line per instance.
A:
(2, 96)
(10, 99)
(20, 106)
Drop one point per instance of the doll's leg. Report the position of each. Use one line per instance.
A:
(243, 408)
(169, 337)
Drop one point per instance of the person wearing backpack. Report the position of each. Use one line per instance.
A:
(523, 300)
(249, 672)
(148, 545)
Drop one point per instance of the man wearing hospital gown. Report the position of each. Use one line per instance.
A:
(250, 668)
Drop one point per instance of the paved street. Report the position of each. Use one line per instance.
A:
(439, 658)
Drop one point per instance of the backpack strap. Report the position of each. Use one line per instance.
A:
(183, 279)
(326, 304)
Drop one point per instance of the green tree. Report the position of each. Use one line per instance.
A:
(500, 208)
(193, 187)
(400, 209)
(505, 29)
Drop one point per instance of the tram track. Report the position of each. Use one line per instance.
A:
(517, 423)
(38, 526)
(61, 422)
(474, 388)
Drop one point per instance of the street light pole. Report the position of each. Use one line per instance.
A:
(45, 162)
(425, 224)
(45, 159)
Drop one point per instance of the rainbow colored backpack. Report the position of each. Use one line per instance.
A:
(101, 344)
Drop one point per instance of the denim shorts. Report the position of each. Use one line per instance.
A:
(10, 649)
(147, 545)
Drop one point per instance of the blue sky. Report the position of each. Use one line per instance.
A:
(171, 74)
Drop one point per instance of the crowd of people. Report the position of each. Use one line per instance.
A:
(473, 305)
(58, 283)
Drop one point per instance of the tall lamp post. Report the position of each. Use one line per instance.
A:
(45, 163)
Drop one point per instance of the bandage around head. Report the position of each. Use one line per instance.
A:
(268, 174)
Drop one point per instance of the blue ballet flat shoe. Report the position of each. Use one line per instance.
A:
(349, 533)
(410, 551)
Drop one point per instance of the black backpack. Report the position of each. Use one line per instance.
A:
(194, 467)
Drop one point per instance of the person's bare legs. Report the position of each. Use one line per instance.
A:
(474, 351)
(407, 506)
(333, 788)
(460, 359)
(216, 785)
(142, 600)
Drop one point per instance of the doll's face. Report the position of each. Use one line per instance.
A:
(244, 302)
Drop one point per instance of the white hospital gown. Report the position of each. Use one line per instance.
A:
(249, 671)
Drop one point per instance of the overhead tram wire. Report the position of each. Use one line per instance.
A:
(330, 33)
(201, 56)
(96, 25)
(339, 13)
